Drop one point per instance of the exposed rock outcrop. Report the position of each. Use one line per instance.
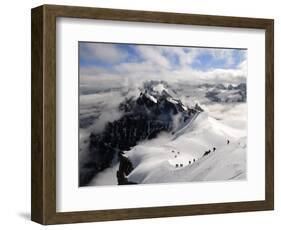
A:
(125, 167)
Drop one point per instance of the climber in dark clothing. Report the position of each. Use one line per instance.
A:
(228, 142)
(207, 152)
(214, 149)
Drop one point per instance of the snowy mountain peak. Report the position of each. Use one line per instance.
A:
(158, 89)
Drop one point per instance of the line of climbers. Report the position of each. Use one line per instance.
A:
(214, 149)
(205, 154)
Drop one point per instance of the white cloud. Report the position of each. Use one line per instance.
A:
(109, 53)
(243, 66)
(162, 55)
(107, 115)
(132, 76)
(107, 102)
(186, 56)
(223, 54)
(154, 55)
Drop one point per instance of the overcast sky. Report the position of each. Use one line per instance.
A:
(135, 63)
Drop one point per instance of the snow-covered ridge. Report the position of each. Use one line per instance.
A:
(181, 159)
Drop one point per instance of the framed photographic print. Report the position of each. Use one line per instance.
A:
(140, 114)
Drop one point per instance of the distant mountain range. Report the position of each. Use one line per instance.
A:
(222, 93)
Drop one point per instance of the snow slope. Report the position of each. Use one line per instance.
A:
(170, 158)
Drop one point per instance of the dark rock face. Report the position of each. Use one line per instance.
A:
(243, 91)
(213, 96)
(125, 167)
(144, 118)
(220, 86)
(230, 87)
